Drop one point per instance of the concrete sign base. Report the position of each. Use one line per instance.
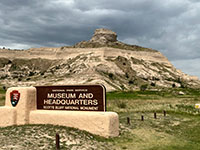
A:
(20, 108)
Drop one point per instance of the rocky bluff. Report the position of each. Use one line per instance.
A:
(102, 59)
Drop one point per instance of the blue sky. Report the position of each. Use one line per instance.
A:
(170, 26)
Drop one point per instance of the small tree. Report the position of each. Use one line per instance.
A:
(143, 87)
(110, 75)
(4, 88)
(173, 85)
(153, 84)
(127, 76)
(130, 82)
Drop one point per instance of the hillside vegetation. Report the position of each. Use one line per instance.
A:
(101, 60)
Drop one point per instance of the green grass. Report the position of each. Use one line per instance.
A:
(2, 90)
(149, 94)
(179, 130)
(2, 96)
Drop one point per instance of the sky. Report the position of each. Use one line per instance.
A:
(169, 26)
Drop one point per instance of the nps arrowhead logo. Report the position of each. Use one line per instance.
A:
(14, 97)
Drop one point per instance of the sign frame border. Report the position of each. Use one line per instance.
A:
(103, 87)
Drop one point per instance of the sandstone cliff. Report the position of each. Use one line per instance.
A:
(102, 59)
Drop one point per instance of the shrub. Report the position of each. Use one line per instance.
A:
(110, 75)
(122, 87)
(4, 88)
(153, 84)
(143, 87)
(127, 76)
(31, 73)
(57, 67)
(121, 104)
(9, 62)
(28, 79)
(130, 82)
(173, 85)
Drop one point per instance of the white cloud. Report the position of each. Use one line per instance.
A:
(190, 66)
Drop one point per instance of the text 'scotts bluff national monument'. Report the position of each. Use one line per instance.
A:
(101, 60)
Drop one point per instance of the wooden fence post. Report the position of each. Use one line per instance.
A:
(128, 121)
(155, 116)
(164, 112)
(57, 141)
(142, 118)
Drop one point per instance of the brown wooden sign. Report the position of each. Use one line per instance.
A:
(72, 97)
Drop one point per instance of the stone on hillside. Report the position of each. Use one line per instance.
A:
(181, 93)
(103, 36)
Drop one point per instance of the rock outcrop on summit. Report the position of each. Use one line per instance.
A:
(107, 38)
(101, 60)
(104, 36)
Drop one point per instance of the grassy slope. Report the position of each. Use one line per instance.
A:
(179, 130)
(2, 96)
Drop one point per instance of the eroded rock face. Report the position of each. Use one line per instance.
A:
(102, 59)
(104, 36)
(107, 38)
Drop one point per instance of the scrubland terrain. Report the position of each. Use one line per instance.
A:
(178, 130)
